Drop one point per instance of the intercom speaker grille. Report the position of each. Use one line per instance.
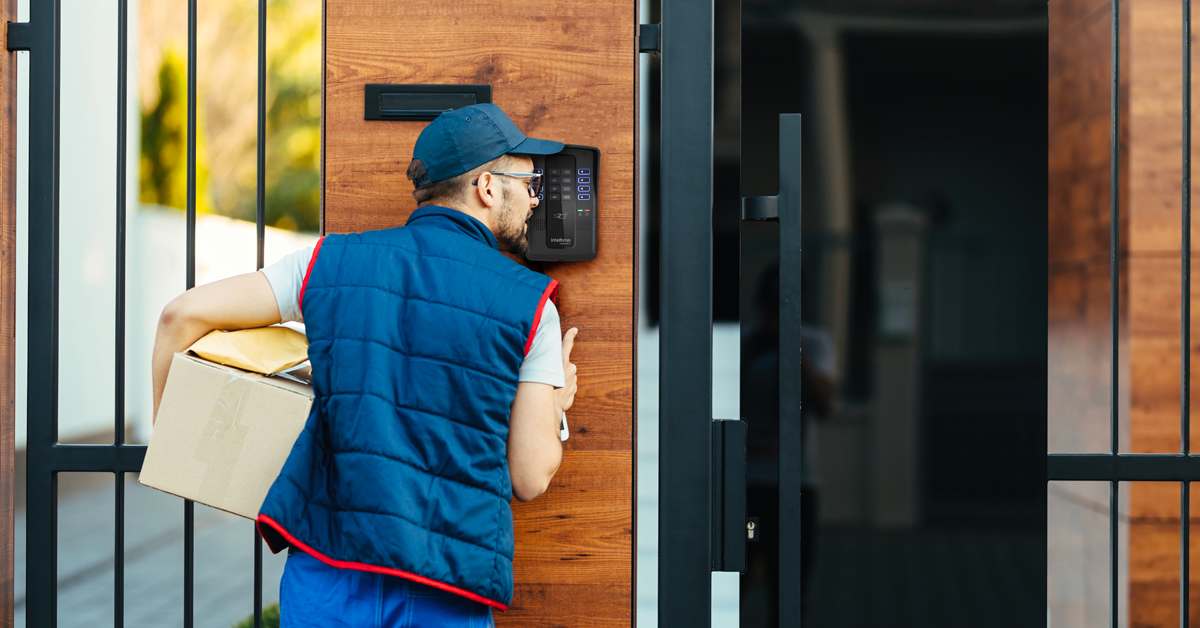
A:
(583, 224)
(538, 225)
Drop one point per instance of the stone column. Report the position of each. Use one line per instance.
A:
(895, 429)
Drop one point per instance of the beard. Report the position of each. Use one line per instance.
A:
(510, 232)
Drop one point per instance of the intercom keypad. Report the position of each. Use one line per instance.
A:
(562, 227)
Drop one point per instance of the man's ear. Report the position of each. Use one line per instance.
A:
(487, 190)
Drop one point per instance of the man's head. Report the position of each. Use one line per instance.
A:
(457, 161)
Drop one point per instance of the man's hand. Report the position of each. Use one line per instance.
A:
(565, 396)
(534, 448)
(239, 302)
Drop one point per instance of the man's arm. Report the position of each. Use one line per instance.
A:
(534, 447)
(239, 302)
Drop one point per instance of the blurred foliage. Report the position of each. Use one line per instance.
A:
(164, 142)
(270, 618)
(228, 89)
(293, 115)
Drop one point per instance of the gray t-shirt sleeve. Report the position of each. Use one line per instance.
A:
(543, 364)
(287, 278)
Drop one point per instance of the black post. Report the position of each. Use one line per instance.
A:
(41, 558)
(685, 351)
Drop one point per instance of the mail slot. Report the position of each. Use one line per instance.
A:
(420, 102)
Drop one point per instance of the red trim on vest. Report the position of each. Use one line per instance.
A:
(550, 293)
(342, 564)
(307, 273)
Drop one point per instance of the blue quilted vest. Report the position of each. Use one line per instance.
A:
(416, 336)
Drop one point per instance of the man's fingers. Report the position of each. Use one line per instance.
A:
(567, 393)
(569, 343)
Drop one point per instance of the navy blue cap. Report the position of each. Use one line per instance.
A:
(461, 140)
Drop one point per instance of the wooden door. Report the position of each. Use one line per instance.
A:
(562, 71)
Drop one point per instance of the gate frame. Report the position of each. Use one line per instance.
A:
(46, 457)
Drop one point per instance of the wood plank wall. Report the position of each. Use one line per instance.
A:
(1150, 292)
(8, 317)
(564, 71)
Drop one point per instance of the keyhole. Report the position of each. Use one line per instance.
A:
(750, 529)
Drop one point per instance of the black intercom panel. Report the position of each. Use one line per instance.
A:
(563, 225)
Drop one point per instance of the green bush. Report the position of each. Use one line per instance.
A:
(270, 618)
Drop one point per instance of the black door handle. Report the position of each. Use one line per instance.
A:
(785, 209)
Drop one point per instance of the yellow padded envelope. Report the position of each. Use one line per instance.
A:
(265, 350)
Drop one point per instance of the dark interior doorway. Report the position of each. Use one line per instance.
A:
(944, 129)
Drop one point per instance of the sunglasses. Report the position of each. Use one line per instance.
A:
(535, 181)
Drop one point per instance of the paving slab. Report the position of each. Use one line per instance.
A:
(154, 579)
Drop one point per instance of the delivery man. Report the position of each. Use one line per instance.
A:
(440, 377)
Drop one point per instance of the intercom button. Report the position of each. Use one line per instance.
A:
(585, 188)
(553, 179)
(555, 188)
(556, 197)
(554, 171)
(567, 197)
(585, 197)
(585, 179)
(585, 171)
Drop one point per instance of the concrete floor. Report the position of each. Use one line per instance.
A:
(224, 573)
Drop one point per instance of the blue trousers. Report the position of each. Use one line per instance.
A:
(315, 595)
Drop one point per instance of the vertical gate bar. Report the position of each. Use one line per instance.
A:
(1114, 296)
(119, 368)
(261, 207)
(1185, 533)
(258, 569)
(191, 148)
(790, 446)
(1186, 274)
(41, 558)
(122, 62)
(1185, 405)
(685, 341)
(1113, 510)
(119, 553)
(260, 220)
(1114, 228)
(189, 508)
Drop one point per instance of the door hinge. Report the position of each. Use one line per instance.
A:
(19, 36)
(648, 38)
(729, 523)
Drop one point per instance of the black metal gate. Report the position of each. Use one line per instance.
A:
(46, 456)
(688, 552)
(702, 528)
(1115, 467)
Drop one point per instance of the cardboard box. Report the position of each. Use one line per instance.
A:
(222, 434)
